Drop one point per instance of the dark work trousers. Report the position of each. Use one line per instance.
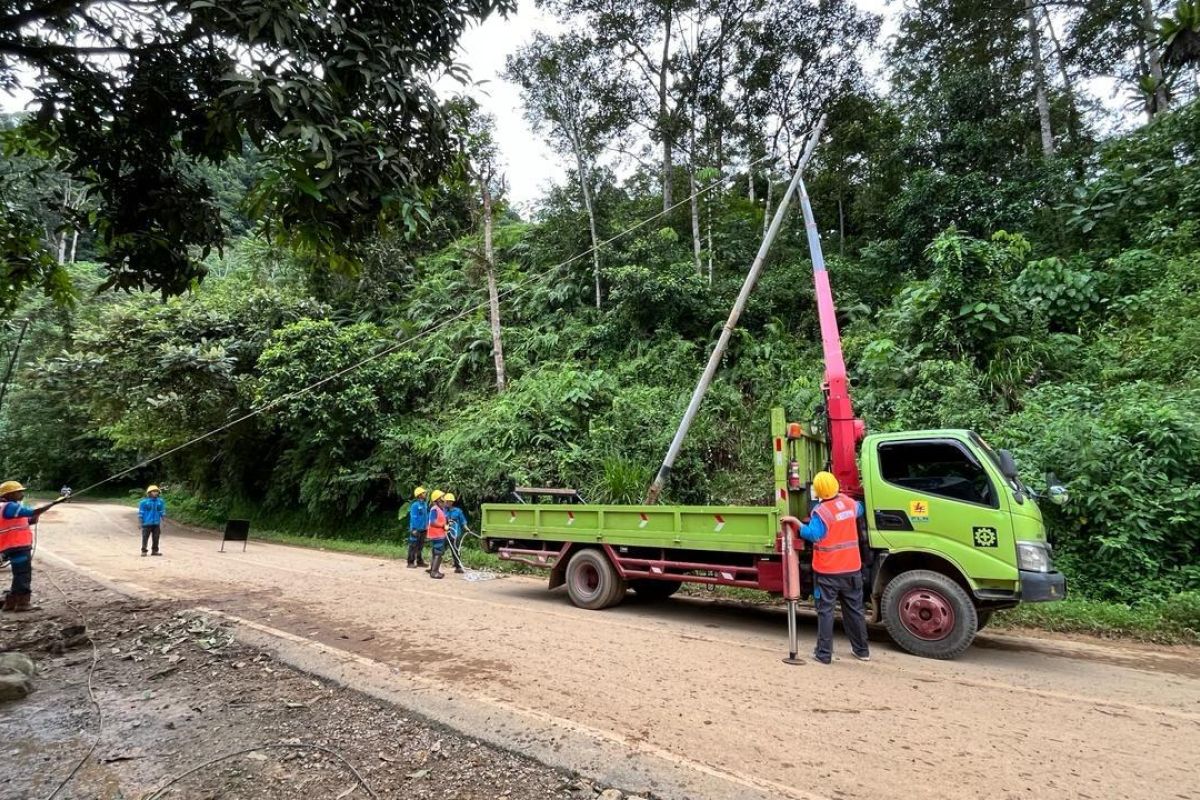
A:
(21, 561)
(149, 531)
(849, 589)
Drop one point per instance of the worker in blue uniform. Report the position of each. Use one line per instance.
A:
(456, 529)
(418, 521)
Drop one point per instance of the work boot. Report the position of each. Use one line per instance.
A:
(412, 556)
(144, 554)
(435, 568)
(22, 602)
(10, 602)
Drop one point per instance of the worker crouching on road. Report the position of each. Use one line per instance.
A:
(436, 531)
(151, 511)
(837, 567)
(418, 520)
(16, 544)
(456, 528)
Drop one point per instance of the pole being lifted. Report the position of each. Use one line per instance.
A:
(718, 353)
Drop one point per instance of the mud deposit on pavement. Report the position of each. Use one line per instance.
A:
(177, 690)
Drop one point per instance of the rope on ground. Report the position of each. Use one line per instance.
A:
(410, 339)
(90, 687)
(277, 746)
(470, 573)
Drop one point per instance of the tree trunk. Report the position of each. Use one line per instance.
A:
(62, 247)
(74, 242)
(708, 222)
(489, 256)
(1039, 79)
(694, 201)
(750, 183)
(664, 121)
(1160, 101)
(841, 229)
(1068, 85)
(585, 181)
(767, 207)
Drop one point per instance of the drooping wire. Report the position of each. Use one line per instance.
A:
(409, 340)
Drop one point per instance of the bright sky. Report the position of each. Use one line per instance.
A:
(531, 165)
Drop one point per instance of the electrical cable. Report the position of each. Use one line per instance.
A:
(277, 746)
(409, 340)
(90, 687)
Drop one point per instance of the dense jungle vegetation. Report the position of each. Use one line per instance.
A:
(1001, 260)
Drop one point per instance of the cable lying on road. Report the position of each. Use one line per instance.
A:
(276, 746)
(87, 627)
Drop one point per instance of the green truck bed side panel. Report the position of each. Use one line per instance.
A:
(734, 529)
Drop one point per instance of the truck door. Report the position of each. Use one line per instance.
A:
(935, 494)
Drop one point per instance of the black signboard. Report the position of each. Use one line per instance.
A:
(236, 530)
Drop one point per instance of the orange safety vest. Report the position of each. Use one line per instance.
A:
(15, 532)
(837, 553)
(437, 523)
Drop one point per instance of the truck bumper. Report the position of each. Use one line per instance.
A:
(1041, 587)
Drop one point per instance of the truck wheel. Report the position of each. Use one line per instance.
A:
(593, 582)
(929, 615)
(652, 591)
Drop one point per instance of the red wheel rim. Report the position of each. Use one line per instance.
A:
(587, 578)
(926, 614)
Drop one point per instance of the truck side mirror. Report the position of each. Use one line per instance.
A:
(1008, 465)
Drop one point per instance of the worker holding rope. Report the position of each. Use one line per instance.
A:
(16, 544)
(456, 529)
(437, 532)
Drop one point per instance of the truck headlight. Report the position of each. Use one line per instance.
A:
(1034, 557)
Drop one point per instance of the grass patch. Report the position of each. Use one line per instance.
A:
(1171, 620)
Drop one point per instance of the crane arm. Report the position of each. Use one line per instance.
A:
(845, 430)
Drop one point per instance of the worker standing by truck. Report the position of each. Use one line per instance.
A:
(151, 511)
(436, 531)
(456, 528)
(837, 567)
(418, 519)
(16, 544)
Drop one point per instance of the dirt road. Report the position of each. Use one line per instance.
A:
(687, 698)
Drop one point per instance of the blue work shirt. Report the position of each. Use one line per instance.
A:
(456, 521)
(814, 530)
(418, 515)
(152, 510)
(13, 509)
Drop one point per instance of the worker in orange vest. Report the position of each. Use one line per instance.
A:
(16, 544)
(833, 530)
(436, 532)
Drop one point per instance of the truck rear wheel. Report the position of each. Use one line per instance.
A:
(593, 582)
(652, 590)
(929, 615)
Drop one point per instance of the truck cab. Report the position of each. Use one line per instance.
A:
(954, 536)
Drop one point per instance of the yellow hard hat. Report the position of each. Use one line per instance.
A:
(417, 492)
(825, 485)
(438, 494)
(8, 487)
(449, 498)
(153, 488)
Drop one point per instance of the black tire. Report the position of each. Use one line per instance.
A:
(984, 616)
(929, 615)
(592, 581)
(652, 591)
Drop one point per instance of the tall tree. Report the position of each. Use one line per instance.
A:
(642, 35)
(575, 96)
(480, 159)
(1120, 38)
(130, 94)
(1039, 78)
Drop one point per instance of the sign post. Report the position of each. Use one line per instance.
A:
(236, 530)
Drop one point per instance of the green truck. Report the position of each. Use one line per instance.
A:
(953, 535)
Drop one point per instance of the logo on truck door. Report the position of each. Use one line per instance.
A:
(985, 537)
(918, 510)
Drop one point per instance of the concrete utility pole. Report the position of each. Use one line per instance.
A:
(718, 353)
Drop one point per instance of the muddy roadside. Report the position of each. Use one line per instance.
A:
(177, 690)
